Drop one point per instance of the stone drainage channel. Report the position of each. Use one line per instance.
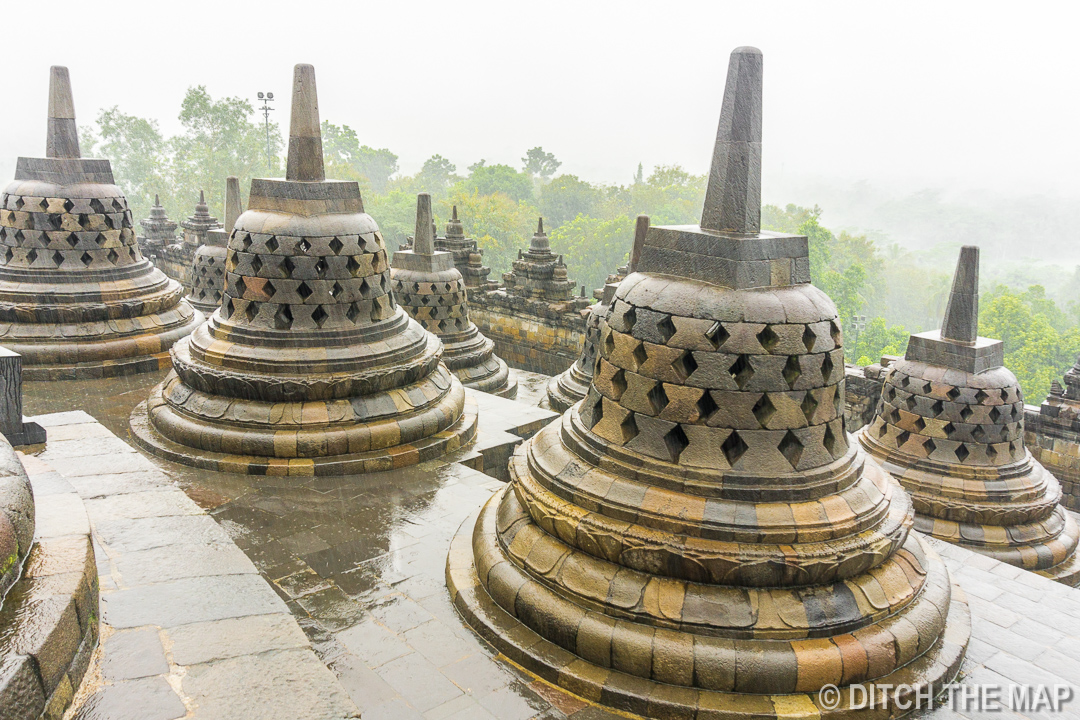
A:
(229, 596)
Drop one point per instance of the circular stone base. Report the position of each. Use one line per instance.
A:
(1066, 573)
(456, 436)
(648, 698)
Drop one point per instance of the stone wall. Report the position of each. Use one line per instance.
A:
(863, 389)
(529, 335)
(1054, 440)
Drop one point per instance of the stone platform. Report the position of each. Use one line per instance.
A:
(361, 567)
(186, 619)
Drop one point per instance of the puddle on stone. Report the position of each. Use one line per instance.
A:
(354, 557)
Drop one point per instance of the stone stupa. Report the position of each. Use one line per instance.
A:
(309, 366)
(160, 231)
(77, 298)
(697, 538)
(567, 388)
(950, 427)
(208, 265)
(431, 289)
(539, 273)
(468, 257)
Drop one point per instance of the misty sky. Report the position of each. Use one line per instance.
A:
(945, 94)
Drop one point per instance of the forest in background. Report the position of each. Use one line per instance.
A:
(882, 291)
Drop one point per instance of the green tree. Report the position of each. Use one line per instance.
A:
(500, 224)
(539, 163)
(593, 248)
(487, 179)
(566, 197)
(347, 159)
(139, 155)
(437, 175)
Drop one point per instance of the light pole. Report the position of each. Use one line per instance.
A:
(267, 98)
(859, 323)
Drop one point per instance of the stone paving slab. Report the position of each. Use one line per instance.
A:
(189, 627)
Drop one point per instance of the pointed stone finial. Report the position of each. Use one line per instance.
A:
(202, 197)
(961, 322)
(305, 163)
(453, 215)
(641, 229)
(157, 200)
(539, 242)
(62, 140)
(424, 242)
(232, 203)
(540, 227)
(733, 196)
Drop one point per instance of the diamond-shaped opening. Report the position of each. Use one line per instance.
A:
(717, 335)
(86, 258)
(56, 221)
(937, 408)
(319, 316)
(640, 355)
(353, 312)
(629, 318)
(618, 384)
(303, 245)
(834, 330)
(792, 371)
(734, 447)
(256, 265)
(252, 311)
(597, 411)
(283, 317)
(954, 392)
(1004, 395)
(628, 428)
(376, 308)
(303, 290)
(336, 246)
(227, 308)
(911, 402)
(245, 242)
(676, 441)
(8, 254)
(272, 244)
(830, 441)
(809, 406)
(889, 393)
(994, 414)
(239, 287)
(336, 290)
(658, 398)
(930, 446)
(352, 266)
(113, 255)
(768, 338)
(981, 396)
(809, 338)
(791, 448)
(991, 453)
(269, 289)
(903, 437)
(609, 344)
(962, 452)
(117, 205)
(95, 205)
(684, 365)
(905, 381)
(68, 205)
(919, 424)
(966, 412)
(741, 371)
(882, 430)
(666, 328)
(826, 367)
(58, 258)
(320, 268)
(764, 410)
(706, 406)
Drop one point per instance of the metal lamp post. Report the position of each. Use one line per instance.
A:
(266, 99)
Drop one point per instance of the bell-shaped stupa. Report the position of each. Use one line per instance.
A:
(431, 289)
(468, 257)
(160, 231)
(309, 366)
(570, 386)
(208, 265)
(950, 427)
(77, 298)
(697, 538)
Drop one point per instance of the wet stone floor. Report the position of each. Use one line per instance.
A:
(360, 563)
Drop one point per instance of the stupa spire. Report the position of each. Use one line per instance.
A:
(453, 215)
(157, 200)
(424, 240)
(961, 322)
(232, 202)
(305, 162)
(733, 196)
(539, 242)
(641, 229)
(63, 137)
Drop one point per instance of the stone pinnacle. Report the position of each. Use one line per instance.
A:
(539, 241)
(961, 322)
(62, 140)
(640, 230)
(305, 163)
(202, 197)
(453, 215)
(157, 199)
(424, 241)
(733, 196)
(232, 202)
